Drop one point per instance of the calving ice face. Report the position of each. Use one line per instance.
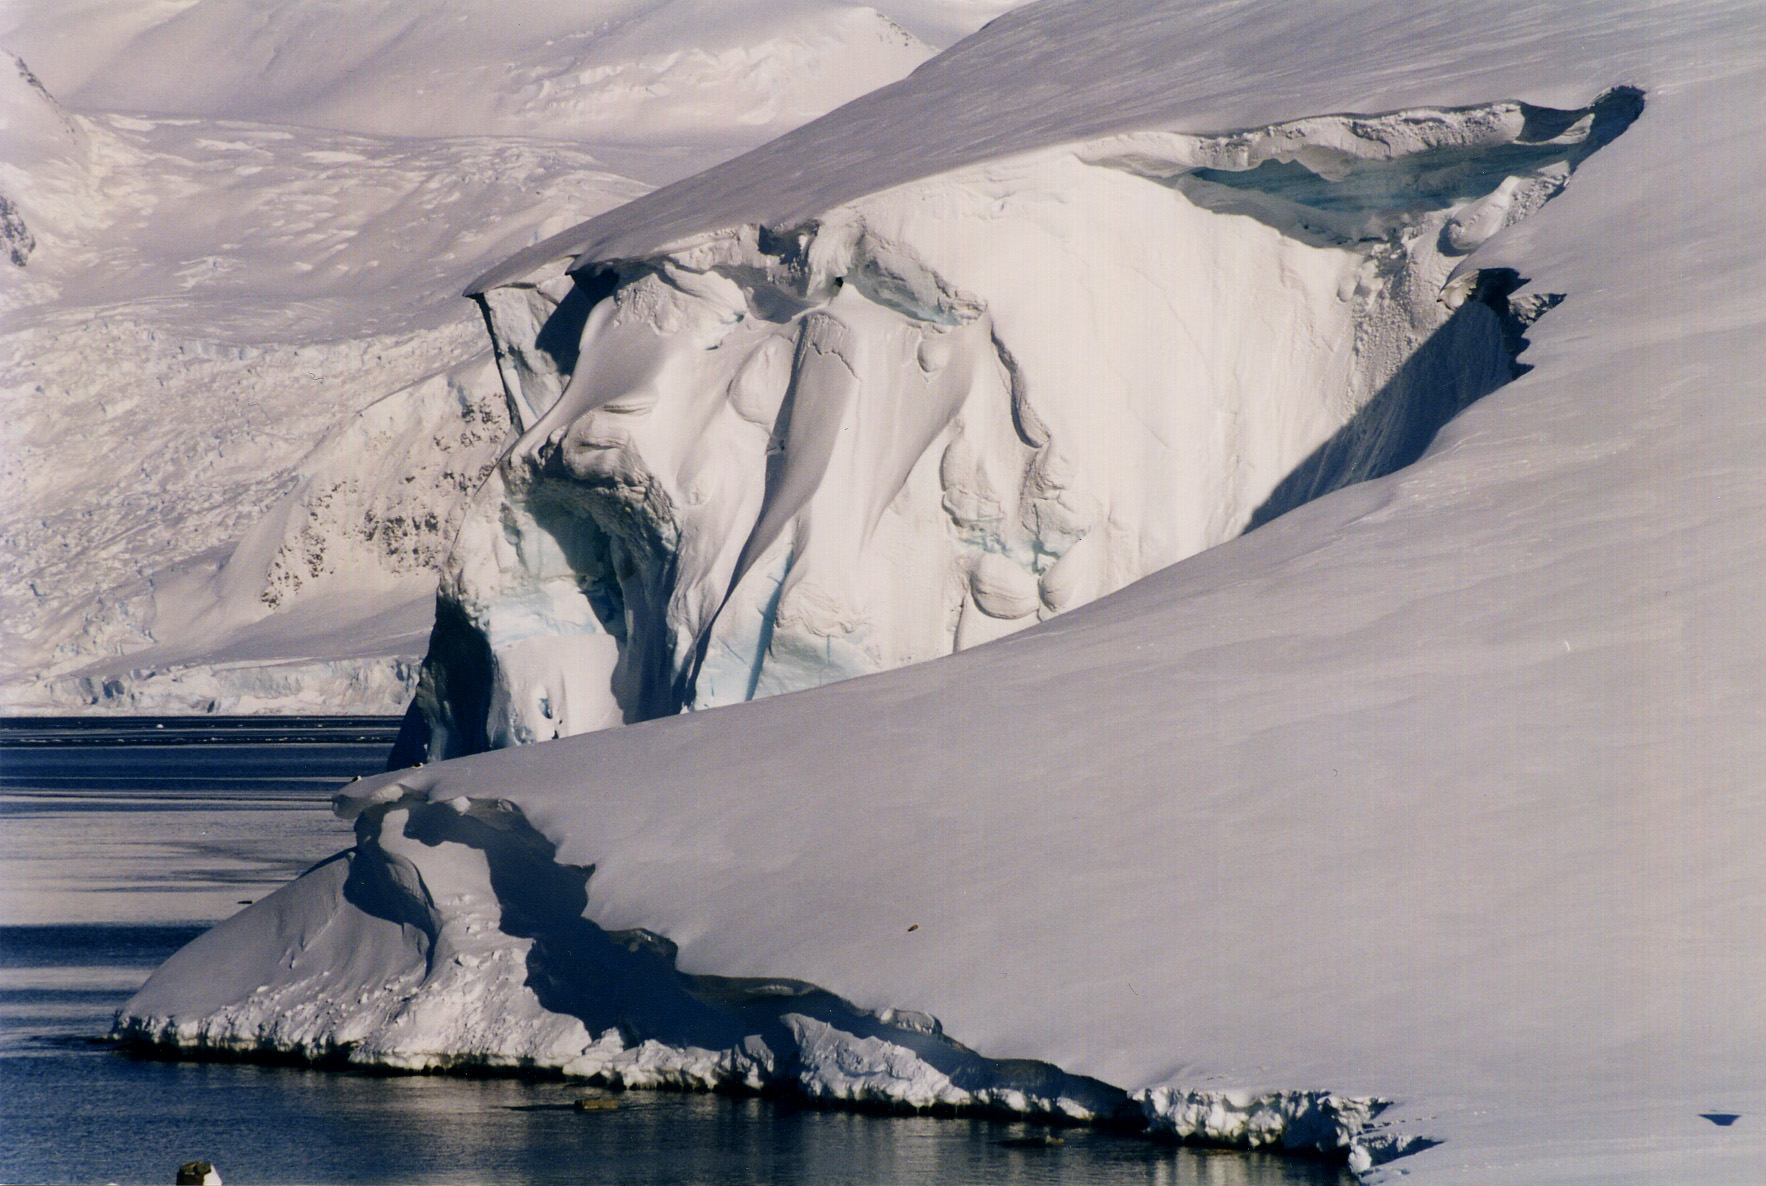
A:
(761, 458)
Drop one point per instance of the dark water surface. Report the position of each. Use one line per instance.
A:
(121, 841)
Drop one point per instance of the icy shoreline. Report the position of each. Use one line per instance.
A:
(1295, 1123)
(433, 1012)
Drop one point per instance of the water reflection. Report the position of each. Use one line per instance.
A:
(96, 1116)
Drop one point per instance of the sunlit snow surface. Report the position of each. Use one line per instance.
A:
(239, 388)
(1439, 789)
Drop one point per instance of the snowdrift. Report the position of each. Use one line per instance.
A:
(1436, 790)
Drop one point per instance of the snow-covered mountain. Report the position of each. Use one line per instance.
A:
(229, 241)
(1418, 824)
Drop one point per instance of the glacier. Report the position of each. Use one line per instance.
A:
(770, 456)
(211, 274)
(1418, 823)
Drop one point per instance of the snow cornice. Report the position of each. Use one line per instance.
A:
(1062, 73)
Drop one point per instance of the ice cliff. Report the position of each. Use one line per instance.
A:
(776, 454)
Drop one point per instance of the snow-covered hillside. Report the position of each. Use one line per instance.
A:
(229, 240)
(1423, 813)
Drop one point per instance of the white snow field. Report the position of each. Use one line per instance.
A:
(1426, 812)
(243, 402)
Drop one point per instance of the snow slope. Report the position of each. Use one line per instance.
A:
(205, 301)
(1438, 789)
(213, 268)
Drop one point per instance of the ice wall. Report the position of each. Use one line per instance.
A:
(767, 457)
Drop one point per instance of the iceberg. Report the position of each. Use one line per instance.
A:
(765, 457)
(1418, 824)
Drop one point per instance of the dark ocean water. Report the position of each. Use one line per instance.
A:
(121, 841)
